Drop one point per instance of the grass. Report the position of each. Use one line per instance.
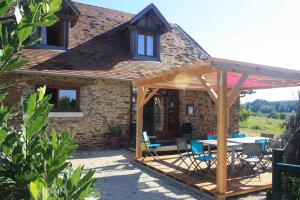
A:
(256, 125)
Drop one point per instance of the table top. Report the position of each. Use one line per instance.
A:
(235, 141)
(214, 143)
(246, 140)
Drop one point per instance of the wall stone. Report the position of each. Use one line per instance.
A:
(204, 119)
(108, 102)
(102, 102)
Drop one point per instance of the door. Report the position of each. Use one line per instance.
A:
(166, 114)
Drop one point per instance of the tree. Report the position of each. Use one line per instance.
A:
(244, 114)
(33, 165)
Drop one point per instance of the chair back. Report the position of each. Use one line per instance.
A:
(181, 144)
(197, 147)
(252, 150)
(267, 135)
(212, 137)
(145, 137)
(239, 135)
(263, 143)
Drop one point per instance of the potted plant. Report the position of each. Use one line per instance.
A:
(114, 136)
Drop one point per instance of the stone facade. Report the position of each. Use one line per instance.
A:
(108, 102)
(204, 119)
(101, 102)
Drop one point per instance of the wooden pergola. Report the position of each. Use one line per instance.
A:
(223, 80)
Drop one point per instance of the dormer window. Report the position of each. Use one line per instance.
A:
(145, 30)
(146, 44)
(56, 35)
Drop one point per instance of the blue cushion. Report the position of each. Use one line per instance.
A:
(239, 135)
(154, 145)
(212, 137)
(206, 158)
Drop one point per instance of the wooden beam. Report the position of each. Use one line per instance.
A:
(222, 116)
(235, 92)
(250, 68)
(150, 95)
(209, 89)
(139, 121)
(188, 69)
(177, 87)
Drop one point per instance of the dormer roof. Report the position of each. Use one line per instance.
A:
(152, 9)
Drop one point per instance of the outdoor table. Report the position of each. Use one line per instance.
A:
(233, 144)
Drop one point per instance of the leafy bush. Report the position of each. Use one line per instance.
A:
(33, 165)
(31, 162)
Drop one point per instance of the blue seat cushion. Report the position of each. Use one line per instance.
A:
(206, 158)
(154, 145)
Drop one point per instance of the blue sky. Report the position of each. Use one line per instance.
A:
(263, 32)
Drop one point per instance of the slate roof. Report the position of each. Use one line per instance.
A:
(98, 49)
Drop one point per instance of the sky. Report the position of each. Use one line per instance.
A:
(258, 31)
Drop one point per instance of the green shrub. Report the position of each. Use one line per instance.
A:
(31, 162)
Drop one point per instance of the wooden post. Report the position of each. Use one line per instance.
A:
(139, 121)
(222, 116)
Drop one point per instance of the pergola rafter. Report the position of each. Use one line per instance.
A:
(223, 80)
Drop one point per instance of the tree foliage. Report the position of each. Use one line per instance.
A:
(33, 164)
(244, 114)
(268, 107)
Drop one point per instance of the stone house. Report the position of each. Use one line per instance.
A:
(88, 60)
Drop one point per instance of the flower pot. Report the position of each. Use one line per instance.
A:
(114, 142)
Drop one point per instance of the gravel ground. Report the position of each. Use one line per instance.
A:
(121, 178)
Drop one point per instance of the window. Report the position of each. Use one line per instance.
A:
(146, 44)
(55, 35)
(64, 99)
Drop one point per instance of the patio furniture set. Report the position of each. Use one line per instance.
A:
(252, 152)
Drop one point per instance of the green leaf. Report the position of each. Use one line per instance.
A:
(54, 139)
(54, 5)
(4, 7)
(41, 92)
(13, 65)
(48, 21)
(30, 104)
(39, 190)
(24, 32)
(3, 133)
(75, 178)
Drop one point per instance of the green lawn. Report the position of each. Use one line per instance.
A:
(256, 125)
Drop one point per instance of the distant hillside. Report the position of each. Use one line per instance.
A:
(268, 107)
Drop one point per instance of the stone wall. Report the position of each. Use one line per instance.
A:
(204, 119)
(102, 103)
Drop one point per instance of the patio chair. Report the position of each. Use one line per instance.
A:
(150, 148)
(214, 137)
(199, 156)
(267, 151)
(251, 157)
(183, 152)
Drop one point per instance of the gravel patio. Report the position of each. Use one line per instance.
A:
(120, 177)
